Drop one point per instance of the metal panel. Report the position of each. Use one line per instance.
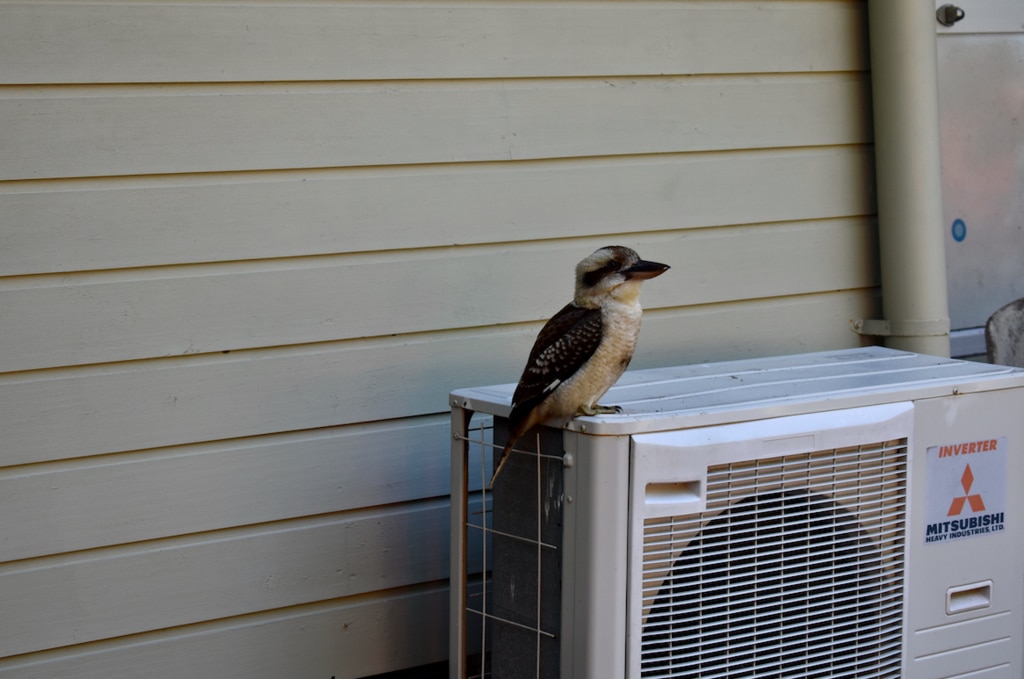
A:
(706, 394)
(985, 16)
(981, 112)
(985, 636)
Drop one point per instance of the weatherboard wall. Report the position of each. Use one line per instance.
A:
(247, 250)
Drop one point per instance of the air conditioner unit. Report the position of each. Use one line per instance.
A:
(854, 513)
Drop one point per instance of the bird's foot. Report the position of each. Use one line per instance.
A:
(599, 410)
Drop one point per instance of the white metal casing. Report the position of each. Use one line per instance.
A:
(961, 607)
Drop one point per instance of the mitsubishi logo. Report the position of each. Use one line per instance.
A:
(957, 506)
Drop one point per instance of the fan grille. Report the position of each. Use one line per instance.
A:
(795, 569)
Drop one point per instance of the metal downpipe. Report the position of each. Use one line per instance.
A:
(908, 177)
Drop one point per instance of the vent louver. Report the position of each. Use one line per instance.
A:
(794, 569)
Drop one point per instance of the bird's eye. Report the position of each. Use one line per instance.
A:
(592, 278)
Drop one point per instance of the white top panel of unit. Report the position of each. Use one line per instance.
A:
(706, 394)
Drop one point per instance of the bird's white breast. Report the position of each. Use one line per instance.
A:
(620, 328)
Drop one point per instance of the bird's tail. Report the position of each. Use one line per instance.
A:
(517, 427)
(501, 462)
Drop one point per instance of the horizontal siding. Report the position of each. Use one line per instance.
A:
(133, 315)
(248, 250)
(106, 593)
(223, 217)
(82, 505)
(69, 413)
(119, 130)
(211, 42)
(341, 638)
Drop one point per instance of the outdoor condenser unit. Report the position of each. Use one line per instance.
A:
(852, 513)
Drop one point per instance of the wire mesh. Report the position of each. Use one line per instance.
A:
(512, 555)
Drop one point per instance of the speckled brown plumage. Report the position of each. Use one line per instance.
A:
(586, 346)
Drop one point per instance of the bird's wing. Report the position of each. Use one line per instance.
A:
(564, 344)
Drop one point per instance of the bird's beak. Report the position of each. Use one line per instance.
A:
(644, 269)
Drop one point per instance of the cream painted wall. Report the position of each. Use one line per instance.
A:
(246, 251)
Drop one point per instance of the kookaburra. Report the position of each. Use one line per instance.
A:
(584, 349)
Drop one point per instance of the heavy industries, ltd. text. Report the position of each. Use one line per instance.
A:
(961, 528)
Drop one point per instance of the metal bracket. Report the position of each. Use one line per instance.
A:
(947, 15)
(905, 328)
